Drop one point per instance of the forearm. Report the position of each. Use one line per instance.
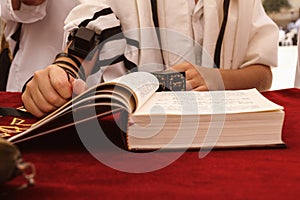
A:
(254, 76)
(204, 78)
(16, 4)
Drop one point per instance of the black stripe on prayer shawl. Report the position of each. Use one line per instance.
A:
(106, 11)
(107, 62)
(115, 33)
(132, 42)
(130, 65)
(217, 56)
(111, 34)
(112, 61)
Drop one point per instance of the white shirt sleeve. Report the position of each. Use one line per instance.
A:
(26, 14)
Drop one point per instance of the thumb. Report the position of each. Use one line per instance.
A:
(79, 86)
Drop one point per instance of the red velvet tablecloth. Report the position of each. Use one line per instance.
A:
(66, 170)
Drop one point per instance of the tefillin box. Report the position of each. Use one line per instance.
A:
(170, 80)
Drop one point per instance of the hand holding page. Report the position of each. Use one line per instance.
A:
(127, 92)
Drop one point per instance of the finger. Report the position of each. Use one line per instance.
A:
(201, 88)
(30, 105)
(192, 73)
(182, 67)
(195, 82)
(43, 92)
(189, 75)
(189, 86)
(59, 80)
(36, 97)
(44, 105)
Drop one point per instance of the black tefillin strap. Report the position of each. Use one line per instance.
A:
(16, 37)
(14, 112)
(217, 56)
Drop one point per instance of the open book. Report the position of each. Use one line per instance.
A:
(171, 120)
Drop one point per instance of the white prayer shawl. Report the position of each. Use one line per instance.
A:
(251, 37)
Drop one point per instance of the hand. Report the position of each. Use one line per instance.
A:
(33, 2)
(49, 89)
(200, 78)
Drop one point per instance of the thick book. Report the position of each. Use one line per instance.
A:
(150, 120)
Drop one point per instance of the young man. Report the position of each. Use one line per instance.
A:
(248, 50)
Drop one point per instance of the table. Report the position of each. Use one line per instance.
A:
(66, 170)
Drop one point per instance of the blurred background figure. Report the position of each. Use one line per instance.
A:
(289, 38)
(41, 36)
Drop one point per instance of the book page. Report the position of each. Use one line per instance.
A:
(142, 85)
(214, 102)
